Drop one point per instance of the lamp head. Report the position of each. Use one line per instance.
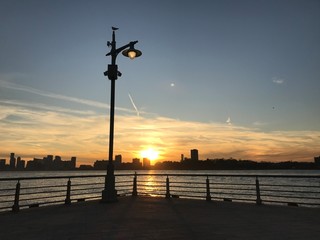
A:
(131, 52)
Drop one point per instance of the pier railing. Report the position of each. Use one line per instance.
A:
(292, 190)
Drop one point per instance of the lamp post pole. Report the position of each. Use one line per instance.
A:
(109, 194)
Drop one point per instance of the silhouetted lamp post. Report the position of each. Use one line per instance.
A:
(109, 194)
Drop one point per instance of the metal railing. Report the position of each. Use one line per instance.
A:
(293, 190)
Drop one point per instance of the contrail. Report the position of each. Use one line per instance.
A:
(134, 106)
(229, 121)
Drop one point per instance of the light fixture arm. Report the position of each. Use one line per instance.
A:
(115, 51)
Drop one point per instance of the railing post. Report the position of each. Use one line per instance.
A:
(258, 200)
(208, 198)
(167, 187)
(68, 198)
(16, 207)
(134, 190)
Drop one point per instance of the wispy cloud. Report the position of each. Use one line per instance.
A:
(30, 129)
(23, 88)
(87, 102)
(41, 106)
(277, 80)
(258, 123)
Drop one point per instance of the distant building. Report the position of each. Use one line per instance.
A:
(50, 158)
(100, 164)
(136, 163)
(73, 162)
(2, 164)
(48, 163)
(146, 163)
(194, 155)
(20, 164)
(182, 157)
(35, 164)
(57, 159)
(317, 160)
(85, 167)
(118, 160)
(12, 161)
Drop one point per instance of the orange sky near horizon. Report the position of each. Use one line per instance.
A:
(86, 137)
(233, 79)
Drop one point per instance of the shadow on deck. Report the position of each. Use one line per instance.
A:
(159, 218)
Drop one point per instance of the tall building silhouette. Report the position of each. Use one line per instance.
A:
(2, 164)
(12, 161)
(118, 159)
(20, 164)
(73, 162)
(194, 155)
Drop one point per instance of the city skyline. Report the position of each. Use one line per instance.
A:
(232, 79)
(56, 163)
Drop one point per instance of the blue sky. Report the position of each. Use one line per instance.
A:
(232, 78)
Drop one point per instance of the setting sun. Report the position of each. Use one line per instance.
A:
(150, 153)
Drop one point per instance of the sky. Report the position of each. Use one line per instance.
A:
(233, 79)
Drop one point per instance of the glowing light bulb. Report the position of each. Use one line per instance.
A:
(132, 54)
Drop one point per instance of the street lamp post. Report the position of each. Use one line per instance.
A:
(109, 194)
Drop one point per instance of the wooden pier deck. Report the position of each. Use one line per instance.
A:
(160, 218)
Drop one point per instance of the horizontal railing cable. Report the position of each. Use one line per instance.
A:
(270, 188)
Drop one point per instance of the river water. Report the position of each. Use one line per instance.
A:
(224, 184)
(20, 174)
